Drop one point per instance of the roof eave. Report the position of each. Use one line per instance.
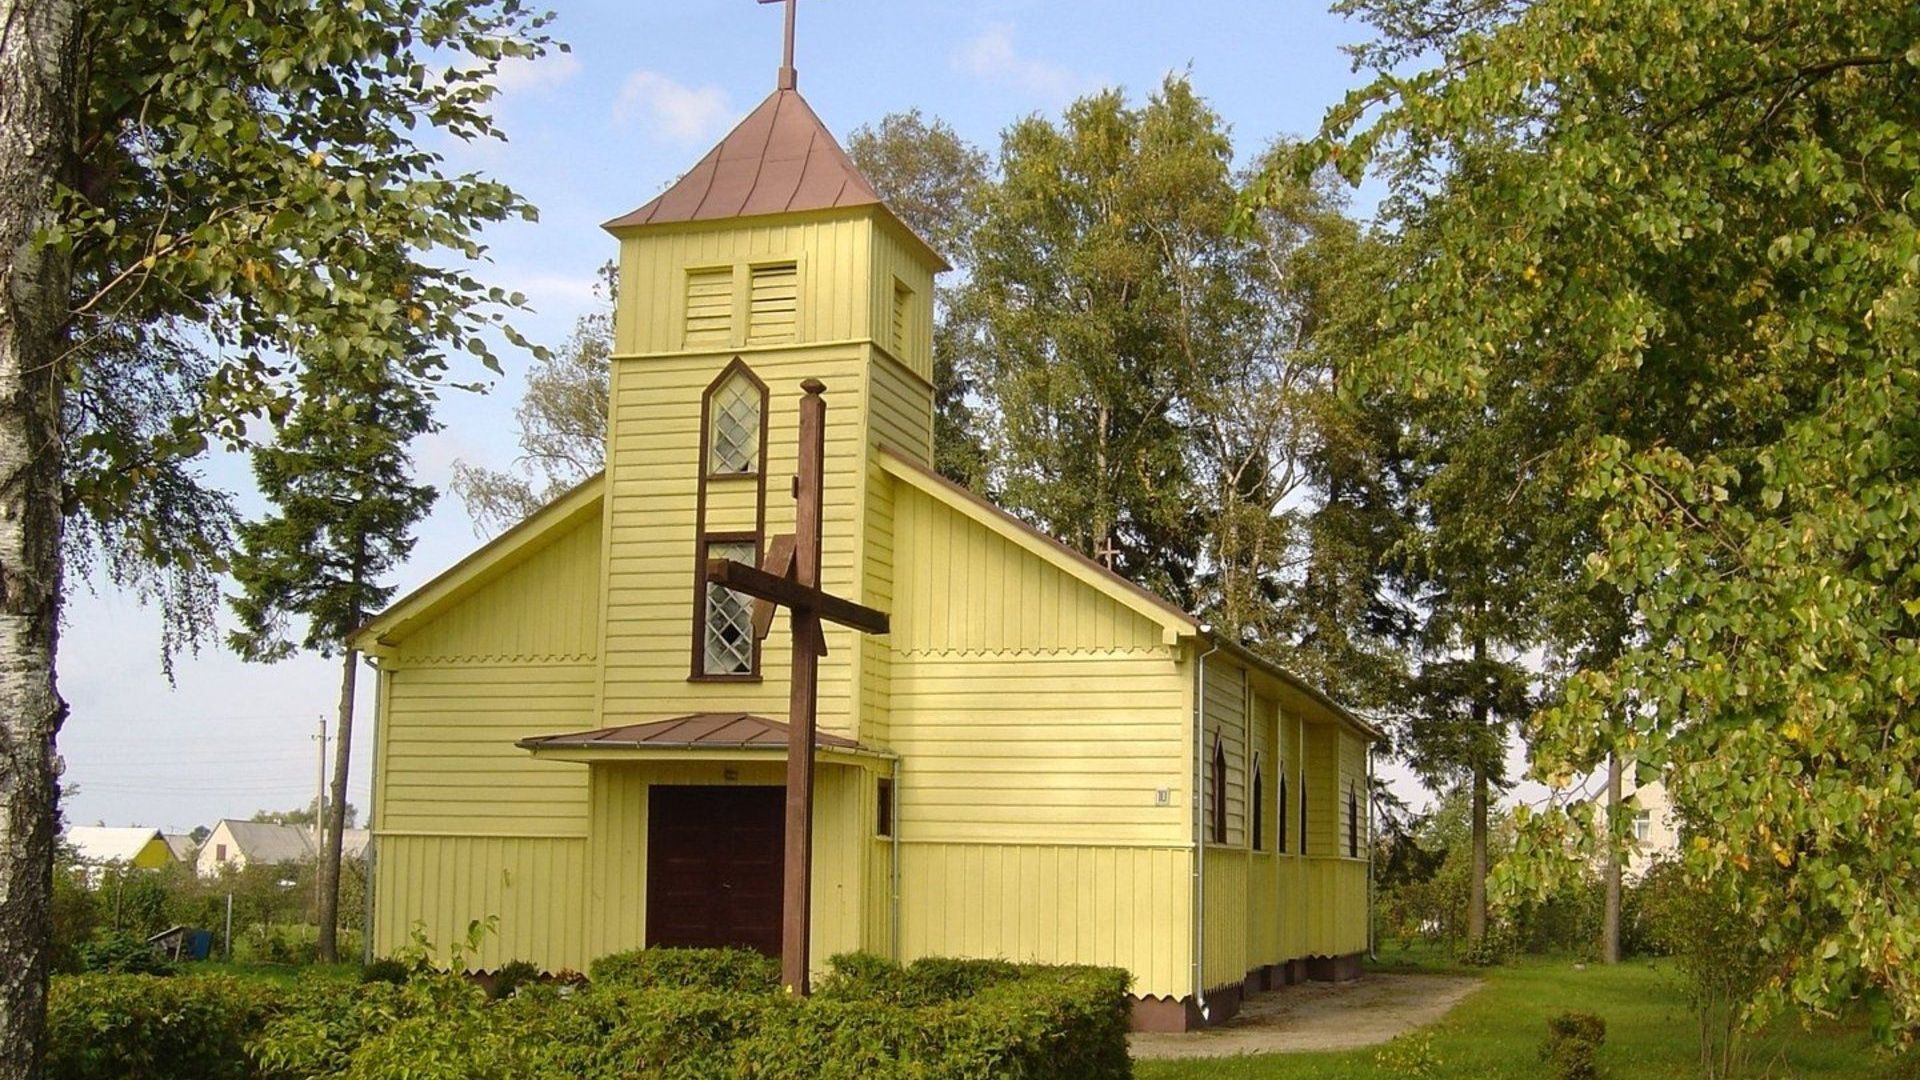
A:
(1173, 621)
(377, 636)
(1306, 689)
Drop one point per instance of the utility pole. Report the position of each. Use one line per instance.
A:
(319, 810)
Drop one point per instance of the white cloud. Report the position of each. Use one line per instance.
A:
(991, 55)
(518, 73)
(669, 109)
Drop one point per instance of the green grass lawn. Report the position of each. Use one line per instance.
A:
(280, 973)
(1498, 1030)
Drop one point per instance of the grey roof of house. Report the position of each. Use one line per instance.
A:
(265, 841)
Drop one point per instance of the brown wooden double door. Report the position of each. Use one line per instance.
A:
(714, 859)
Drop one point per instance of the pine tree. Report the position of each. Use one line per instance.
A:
(340, 480)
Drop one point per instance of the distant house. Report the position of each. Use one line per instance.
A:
(240, 844)
(98, 847)
(182, 845)
(1656, 831)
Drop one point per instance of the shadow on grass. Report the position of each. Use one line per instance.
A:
(1498, 1030)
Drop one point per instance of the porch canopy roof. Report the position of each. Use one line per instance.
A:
(694, 737)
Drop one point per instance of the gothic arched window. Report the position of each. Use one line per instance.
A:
(735, 414)
(1219, 791)
(1353, 823)
(1280, 832)
(1259, 803)
(733, 437)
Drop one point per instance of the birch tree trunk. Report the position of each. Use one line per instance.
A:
(329, 947)
(36, 122)
(1610, 921)
(1477, 883)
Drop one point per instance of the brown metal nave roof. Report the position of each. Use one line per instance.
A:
(695, 731)
(779, 160)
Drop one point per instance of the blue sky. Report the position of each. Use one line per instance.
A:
(646, 90)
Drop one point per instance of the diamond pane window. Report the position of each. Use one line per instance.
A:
(733, 438)
(729, 629)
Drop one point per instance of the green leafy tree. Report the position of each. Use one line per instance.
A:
(562, 419)
(1667, 251)
(932, 178)
(231, 183)
(339, 478)
(1097, 233)
(305, 815)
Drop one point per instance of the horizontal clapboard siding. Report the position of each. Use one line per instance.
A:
(964, 588)
(449, 763)
(651, 562)
(1065, 749)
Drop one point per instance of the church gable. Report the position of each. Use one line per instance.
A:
(546, 608)
(967, 577)
(961, 587)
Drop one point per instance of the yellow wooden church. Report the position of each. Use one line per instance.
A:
(578, 735)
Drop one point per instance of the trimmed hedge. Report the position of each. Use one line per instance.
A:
(740, 970)
(673, 1015)
(110, 1027)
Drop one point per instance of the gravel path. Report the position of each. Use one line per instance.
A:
(1318, 1016)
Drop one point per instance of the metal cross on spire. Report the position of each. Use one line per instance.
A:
(789, 79)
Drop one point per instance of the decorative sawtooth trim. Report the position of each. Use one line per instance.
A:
(1065, 650)
(478, 659)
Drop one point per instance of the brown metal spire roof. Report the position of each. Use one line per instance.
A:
(779, 160)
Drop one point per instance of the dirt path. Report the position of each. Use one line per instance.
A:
(1318, 1016)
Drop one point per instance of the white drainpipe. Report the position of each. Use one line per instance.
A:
(1372, 945)
(894, 845)
(1199, 829)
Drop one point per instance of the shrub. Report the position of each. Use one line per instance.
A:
(959, 1018)
(940, 1018)
(512, 976)
(112, 1027)
(386, 969)
(109, 953)
(1573, 1045)
(710, 969)
(927, 981)
(1496, 947)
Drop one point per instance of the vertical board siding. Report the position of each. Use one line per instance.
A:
(1337, 915)
(895, 266)
(1056, 904)
(832, 255)
(439, 885)
(1229, 917)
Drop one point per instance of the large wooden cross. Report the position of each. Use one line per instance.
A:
(790, 578)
